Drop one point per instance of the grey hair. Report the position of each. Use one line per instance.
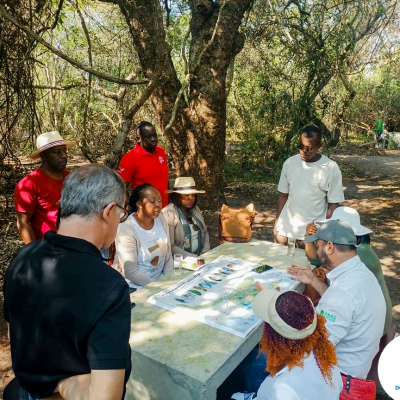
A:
(88, 189)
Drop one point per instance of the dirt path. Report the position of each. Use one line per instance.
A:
(371, 186)
(375, 193)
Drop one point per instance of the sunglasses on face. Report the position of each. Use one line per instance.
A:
(191, 222)
(306, 148)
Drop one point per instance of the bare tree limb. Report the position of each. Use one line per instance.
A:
(168, 10)
(66, 87)
(55, 22)
(60, 54)
(109, 119)
(106, 93)
(188, 78)
(183, 52)
(84, 146)
(211, 41)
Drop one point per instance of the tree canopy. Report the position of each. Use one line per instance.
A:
(202, 70)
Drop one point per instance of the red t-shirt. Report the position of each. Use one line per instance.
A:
(39, 194)
(138, 167)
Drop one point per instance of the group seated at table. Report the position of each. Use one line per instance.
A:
(301, 360)
(364, 251)
(143, 247)
(187, 229)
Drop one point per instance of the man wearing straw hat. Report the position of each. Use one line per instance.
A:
(37, 195)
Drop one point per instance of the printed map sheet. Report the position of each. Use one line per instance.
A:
(221, 294)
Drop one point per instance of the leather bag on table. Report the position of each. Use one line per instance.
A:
(309, 291)
(235, 224)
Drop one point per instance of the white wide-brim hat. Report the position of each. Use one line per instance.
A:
(352, 217)
(265, 309)
(184, 185)
(48, 140)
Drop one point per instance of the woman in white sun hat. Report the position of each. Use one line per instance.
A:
(364, 251)
(187, 229)
(301, 360)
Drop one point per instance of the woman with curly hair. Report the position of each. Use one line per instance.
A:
(301, 360)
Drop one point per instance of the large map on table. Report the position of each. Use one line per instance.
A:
(221, 293)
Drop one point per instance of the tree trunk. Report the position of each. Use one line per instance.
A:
(197, 136)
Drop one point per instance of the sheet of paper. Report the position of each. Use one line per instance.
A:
(221, 294)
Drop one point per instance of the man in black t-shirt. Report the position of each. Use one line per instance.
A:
(69, 312)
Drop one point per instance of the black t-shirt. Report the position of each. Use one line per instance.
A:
(68, 311)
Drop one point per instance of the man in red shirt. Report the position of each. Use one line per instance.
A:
(36, 196)
(147, 162)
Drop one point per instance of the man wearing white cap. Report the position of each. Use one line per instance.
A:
(37, 195)
(353, 304)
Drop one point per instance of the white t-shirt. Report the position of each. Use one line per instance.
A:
(355, 310)
(305, 383)
(153, 248)
(195, 238)
(311, 186)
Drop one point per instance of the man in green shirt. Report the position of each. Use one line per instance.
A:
(379, 127)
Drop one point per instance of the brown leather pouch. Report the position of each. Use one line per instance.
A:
(235, 224)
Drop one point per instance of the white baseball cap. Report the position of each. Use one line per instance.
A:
(352, 217)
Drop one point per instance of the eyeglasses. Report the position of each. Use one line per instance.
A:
(306, 148)
(124, 215)
(191, 222)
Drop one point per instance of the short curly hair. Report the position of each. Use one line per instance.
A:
(297, 311)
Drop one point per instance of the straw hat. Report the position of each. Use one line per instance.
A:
(264, 306)
(352, 217)
(184, 185)
(48, 140)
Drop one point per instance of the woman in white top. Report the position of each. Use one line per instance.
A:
(187, 229)
(301, 360)
(143, 247)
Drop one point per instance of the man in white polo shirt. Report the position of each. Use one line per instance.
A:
(353, 304)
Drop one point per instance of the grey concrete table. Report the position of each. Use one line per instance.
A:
(175, 358)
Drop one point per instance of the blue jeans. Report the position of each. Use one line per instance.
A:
(378, 134)
(253, 370)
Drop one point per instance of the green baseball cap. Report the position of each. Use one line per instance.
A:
(335, 231)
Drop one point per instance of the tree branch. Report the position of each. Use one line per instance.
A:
(66, 87)
(188, 78)
(211, 41)
(60, 54)
(84, 146)
(54, 24)
(150, 87)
